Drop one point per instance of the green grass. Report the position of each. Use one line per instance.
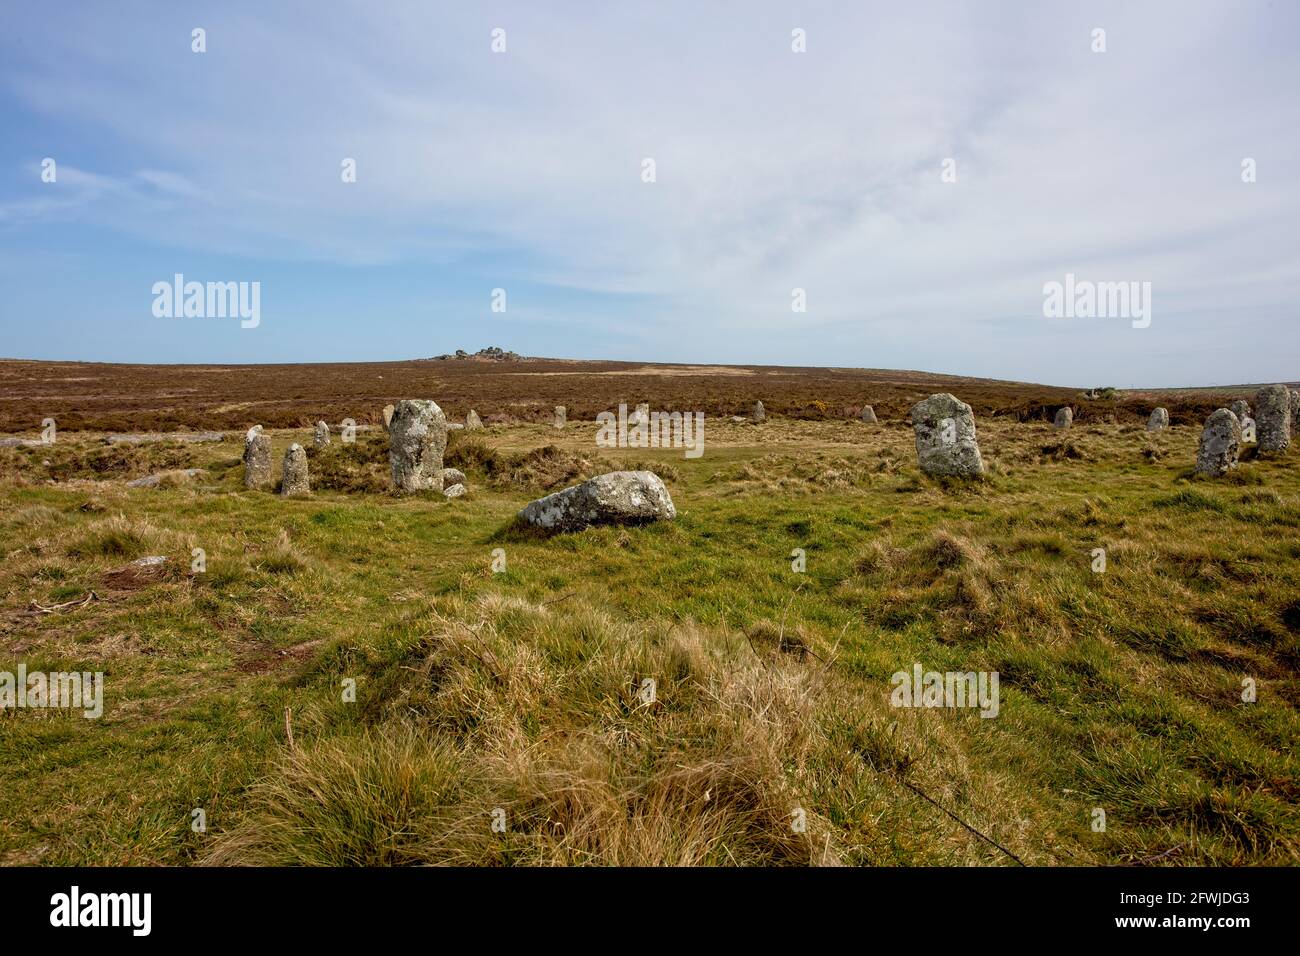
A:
(517, 691)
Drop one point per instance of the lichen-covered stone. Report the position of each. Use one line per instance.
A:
(417, 439)
(293, 479)
(945, 437)
(1064, 418)
(1273, 418)
(1159, 420)
(257, 458)
(321, 438)
(868, 414)
(1220, 444)
(472, 421)
(620, 497)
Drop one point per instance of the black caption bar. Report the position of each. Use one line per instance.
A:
(142, 906)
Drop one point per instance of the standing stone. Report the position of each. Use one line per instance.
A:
(561, 416)
(417, 438)
(1159, 420)
(758, 414)
(868, 414)
(1220, 444)
(1273, 418)
(1240, 408)
(294, 479)
(322, 436)
(257, 458)
(945, 437)
(388, 415)
(472, 421)
(639, 417)
(1295, 408)
(1064, 418)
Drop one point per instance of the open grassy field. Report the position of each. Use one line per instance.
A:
(514, 697)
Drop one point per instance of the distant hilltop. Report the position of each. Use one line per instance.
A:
(489, 354)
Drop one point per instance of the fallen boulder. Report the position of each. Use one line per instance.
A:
(148, 438)
(155, 481)
(619, 497)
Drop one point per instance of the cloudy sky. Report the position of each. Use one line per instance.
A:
(774, 170)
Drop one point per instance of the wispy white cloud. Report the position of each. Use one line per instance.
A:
(775, 170)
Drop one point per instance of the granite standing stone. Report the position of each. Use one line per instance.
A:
(257, 458)
(294, 481)
(417, 439)
(1273, 418)
(1220, 444)
(945, 437)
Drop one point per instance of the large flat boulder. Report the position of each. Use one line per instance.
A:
(620, 497)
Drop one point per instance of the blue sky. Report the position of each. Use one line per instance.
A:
(775, 170)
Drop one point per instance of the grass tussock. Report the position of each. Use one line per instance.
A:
(359, 467)
(546, 721)
(115, 537)
(282, 557)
